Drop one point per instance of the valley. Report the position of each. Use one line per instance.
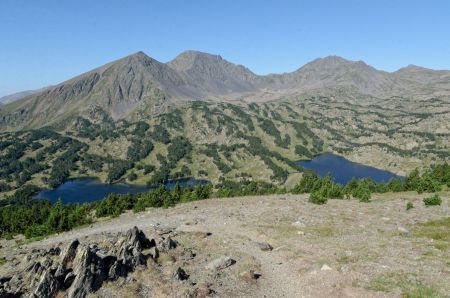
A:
(232, 141)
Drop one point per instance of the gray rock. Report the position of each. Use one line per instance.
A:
(403, 231)
(47, 287)
(264, 246)
(168, 244)
(70, 253)
(220, 263)
(137, 238)
(82, 269)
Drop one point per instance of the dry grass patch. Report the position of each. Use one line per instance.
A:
(409, 285)
(322, 231)
(438, 230)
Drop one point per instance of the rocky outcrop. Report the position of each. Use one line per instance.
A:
(82, 268)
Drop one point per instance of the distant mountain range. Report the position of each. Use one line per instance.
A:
(138, 82)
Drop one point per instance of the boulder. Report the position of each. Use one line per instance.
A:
(220, 263)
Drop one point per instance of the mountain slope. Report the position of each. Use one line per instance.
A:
(212, 75)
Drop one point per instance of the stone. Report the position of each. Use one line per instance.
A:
(47, 287)
(137, 238)
(250, 275)
(180, 274)
(69, 253)
(298, 224)
(403, 231)
(264, 246)
(220, 263)
(325, 267)
(54, 251)
(168, 244)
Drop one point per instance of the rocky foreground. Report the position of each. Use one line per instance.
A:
(81, 269)
(267, 246)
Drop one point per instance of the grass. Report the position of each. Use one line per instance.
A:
(278, 231)
(29, 240)
(435, 229)
(2, 261)
(345, 259)
(409, 285)
(322, 231)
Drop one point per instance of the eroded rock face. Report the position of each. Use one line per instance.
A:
(80, 269)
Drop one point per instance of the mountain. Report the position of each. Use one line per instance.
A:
(140, 85)
(19, 95)
(336, 71)
(116, 88)
(212, 75)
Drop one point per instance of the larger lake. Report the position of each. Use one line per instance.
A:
(89, 190)
(343, 170)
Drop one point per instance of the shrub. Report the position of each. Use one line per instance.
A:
(309, 180)
(317, 198)
(428, 184)
(362, 193)
(409, 205)
(432, 201)
(132, 176)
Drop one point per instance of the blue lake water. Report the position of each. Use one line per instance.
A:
(89, 190)
(343, 170)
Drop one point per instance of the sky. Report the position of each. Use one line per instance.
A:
(48, 41)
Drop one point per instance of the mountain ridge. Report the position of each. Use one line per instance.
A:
(139, 81)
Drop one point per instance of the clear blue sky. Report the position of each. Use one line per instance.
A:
(45, 42)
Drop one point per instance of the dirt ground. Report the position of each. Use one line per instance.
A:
(342, 249)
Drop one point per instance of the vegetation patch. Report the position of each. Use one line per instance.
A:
(408, 284)
(436, 229)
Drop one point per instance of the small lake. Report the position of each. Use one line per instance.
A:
(343, 170)
(89, 190)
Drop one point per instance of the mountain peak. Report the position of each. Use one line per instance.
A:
(412, 68)
(334, 61)
(189, 59)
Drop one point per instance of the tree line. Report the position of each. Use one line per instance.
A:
(20, 213)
